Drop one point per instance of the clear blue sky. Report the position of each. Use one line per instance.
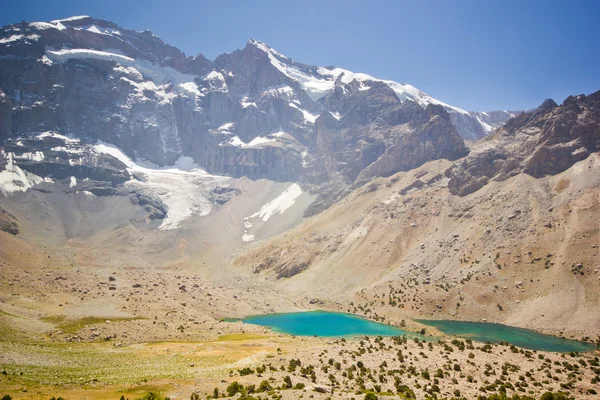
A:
(478, 54)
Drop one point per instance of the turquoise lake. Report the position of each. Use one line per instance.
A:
(323, 323)
(332, 324)
(494, 333)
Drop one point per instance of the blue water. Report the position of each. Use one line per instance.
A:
(494, 333)
(323, 323)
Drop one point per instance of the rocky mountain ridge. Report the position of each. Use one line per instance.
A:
(252, 113)
(544, 141)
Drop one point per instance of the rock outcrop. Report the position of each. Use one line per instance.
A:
(545, 141)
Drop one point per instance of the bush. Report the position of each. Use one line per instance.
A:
(264, 386)
(246, 371)
(370, 396)
(553, 396)
(234, 388)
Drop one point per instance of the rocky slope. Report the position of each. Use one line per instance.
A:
(507, 233)
(545, 141)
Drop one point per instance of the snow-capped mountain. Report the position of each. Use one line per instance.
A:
(253, 112)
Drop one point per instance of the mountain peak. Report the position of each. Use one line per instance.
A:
(547, 105)
(262, 46)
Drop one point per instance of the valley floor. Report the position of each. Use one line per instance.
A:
(127, 310)
(160, 332)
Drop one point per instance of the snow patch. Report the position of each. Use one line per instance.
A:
(12, 38)
(73, 18)
(14, 179)
(47, 25)
(307, 116)
(73, 182)
(100, 30)
(257, 141)
(64, 138)
(281, 203)
(155, 72)
(216, 80)
(37, 156)
(247, 237)
(226, 127)
(486, 127)
(245, 103)
(304, 155)
(190, 88)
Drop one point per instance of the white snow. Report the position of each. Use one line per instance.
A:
(304, 154)
(226, 127)
(247, 237)
(216, 80)
(46, 25)
(12, 38)
(130, 72)
(37, 156)
(245, 103)
(278, 205)
(14, 179)
(236, 141)
(73, 18)
(336, 115)
(64, 138)
(307, 116)
(46, 60)
(100, 30)
(257, 141)
(183, 189)
(320, 84)
(486, 127)
(73, 182)
(63, 55)
(70, 149)
(282, 92)
(190, 88)
(157, 73)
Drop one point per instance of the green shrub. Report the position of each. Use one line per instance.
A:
(234, 388)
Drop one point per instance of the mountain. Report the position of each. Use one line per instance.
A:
(249, 113)
(109, 135)
(148, 197)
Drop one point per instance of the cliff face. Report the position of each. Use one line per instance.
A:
(5, 116)
(252, 113)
